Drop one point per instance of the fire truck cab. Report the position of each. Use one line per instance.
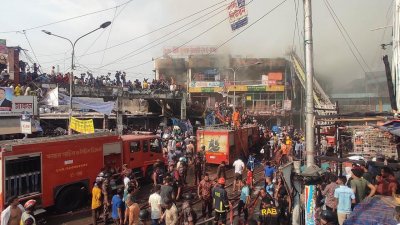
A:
(60, 171)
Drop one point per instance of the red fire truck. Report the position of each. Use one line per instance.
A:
(60, 171)
(224, 144)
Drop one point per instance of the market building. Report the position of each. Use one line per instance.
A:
(261, 86)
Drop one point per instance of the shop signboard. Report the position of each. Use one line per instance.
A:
(11, 105)
(26, 126)
(287, 105)
(256, 88)
(207, 84)
(189, 50)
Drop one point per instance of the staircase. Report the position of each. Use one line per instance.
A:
(322, 103)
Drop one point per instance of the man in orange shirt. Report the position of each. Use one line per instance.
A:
(236, 118)
(96, 202)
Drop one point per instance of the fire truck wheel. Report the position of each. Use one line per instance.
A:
(69, 198)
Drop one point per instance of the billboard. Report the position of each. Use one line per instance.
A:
(11, 105)
(237, 14)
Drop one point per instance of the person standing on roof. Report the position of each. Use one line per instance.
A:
(239, 168)
(236, 119)
(221, 202)
(27, 217)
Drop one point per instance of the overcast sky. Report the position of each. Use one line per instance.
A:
(270, 37)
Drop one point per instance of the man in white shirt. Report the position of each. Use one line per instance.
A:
(126, 182)
(155, 206)
(239, 168)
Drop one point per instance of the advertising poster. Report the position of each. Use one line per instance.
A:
(215, 143)
(237, 14)
(309, 194)
(6, 97)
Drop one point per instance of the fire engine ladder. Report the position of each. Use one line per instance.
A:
(219, 116)
(322, 103)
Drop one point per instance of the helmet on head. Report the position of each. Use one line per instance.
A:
(29, 204)
(182, 159)
(221, 181)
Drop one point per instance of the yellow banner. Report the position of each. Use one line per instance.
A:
(82, 126)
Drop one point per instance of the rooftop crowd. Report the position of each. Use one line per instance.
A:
(33, 74)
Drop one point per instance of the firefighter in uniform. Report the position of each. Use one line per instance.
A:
(27, 216)
(221, 202)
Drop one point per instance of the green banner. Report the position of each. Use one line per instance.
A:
(256, 88)
(207, 89)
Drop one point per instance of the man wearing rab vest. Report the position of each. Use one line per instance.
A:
(221, 203)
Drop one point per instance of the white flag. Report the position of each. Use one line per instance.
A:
(51, 98)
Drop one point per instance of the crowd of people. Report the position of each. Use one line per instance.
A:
(119, 79)
(341, 194)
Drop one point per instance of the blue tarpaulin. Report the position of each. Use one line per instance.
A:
(378, 210)
(392, 127)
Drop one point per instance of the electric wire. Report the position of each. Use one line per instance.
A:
(64, 20)
(219, 46)
(345, 39)
(348, 36)
(33, 52)
(148, 33)
(108, 37)
(378, 59)
(130, 54)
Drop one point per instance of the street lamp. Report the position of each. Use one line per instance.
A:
(102, 26)
(234, 80)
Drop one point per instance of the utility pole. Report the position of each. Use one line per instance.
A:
(309, 83)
